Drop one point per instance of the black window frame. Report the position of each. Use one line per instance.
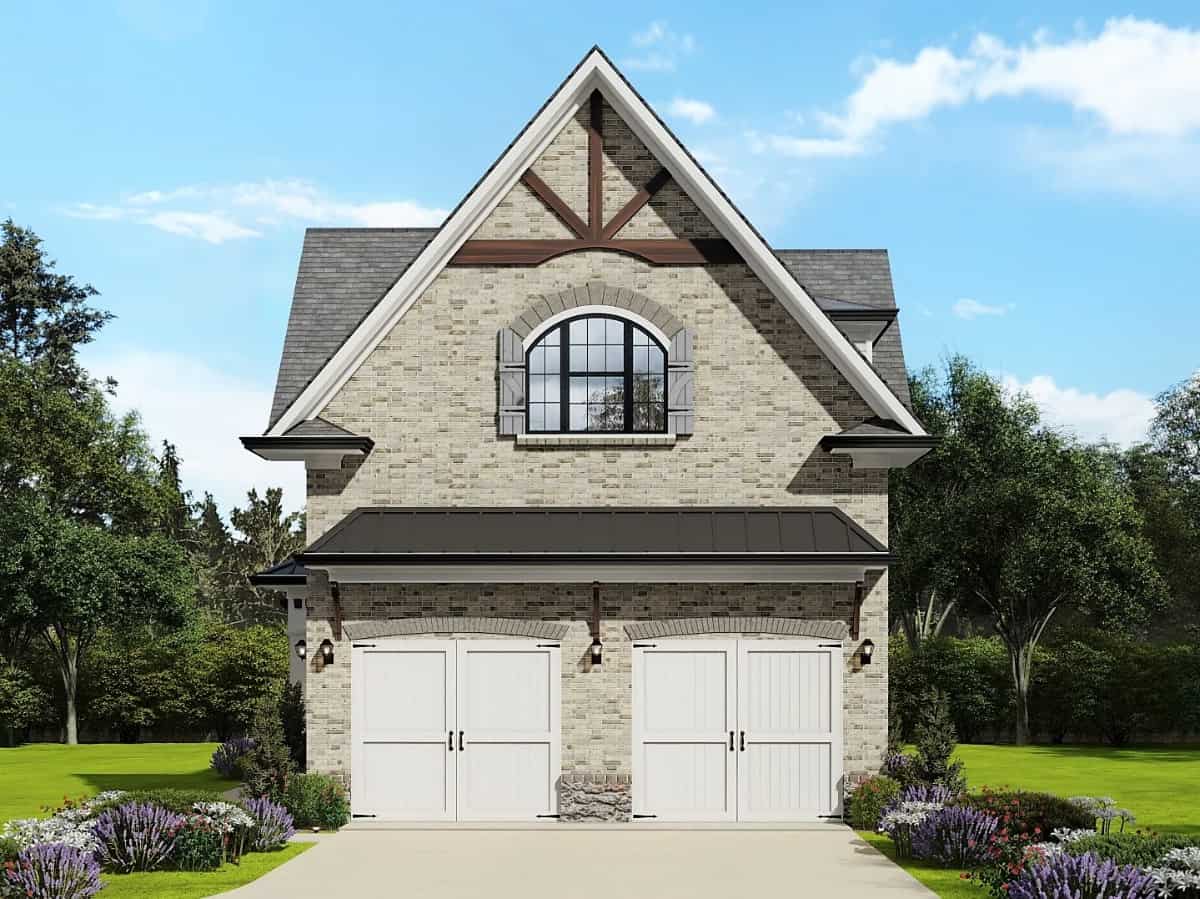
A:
(565, 374)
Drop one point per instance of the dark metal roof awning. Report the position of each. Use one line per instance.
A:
(288, 573)
(574, 544)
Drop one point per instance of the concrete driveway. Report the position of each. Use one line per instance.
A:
(567, 861)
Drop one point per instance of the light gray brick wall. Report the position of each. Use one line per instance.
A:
(764, 395)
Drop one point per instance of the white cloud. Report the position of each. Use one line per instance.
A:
(972, 309)
(1147, 168)
(1134, 79)
(695, 111)
(1122, 416)
(803, 147)
(661, 48)
(202, 411)
(232, 212)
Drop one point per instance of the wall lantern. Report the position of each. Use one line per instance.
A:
(301, 650)
(597, 650)
(866, 651)
(326, 652)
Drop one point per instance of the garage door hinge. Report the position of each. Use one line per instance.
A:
(362, 816)
(547, 816)
(645, 646)
(839, 817)
(645, 816)
(549, 646)
(830, 645)
(362, 645)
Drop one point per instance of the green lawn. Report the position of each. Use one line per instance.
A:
(34, 778)
(190, 885)
(41, 774)
(1157, 784)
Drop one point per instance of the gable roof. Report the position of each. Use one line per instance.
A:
(344, 272)
(594, 72)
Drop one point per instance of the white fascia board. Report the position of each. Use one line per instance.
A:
(677, 573)
(882, 457)
(595, 72)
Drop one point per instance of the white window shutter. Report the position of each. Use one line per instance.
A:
(681, 374)
(511, 378)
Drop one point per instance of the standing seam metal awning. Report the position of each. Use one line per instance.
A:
(542, 538)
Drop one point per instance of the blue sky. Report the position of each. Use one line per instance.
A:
(1034, 169)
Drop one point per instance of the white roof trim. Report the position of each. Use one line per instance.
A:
(595, 72)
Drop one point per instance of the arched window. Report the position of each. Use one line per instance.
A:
(597, 373)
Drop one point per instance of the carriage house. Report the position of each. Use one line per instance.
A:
(597, 493)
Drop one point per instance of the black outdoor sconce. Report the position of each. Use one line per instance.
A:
(326, 652)
(301, 650)
(866, 651)
(597, 650)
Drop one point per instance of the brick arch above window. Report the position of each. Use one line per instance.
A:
(595, 297)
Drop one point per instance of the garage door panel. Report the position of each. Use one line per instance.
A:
(786, 691)
(407, 693)
(505, 780)
(510, 691)
(686, 780)
(685, 691)
(785, 780)
(408, 780)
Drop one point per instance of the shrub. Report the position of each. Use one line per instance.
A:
(900, 768)
(1036, 814)
(53, 871)
(291, 715)
(936, 744)
(972, 673)
(267, 768)
(1081, 877)
(9, 850)
(199, 846)
(954, 836)
(234, 824)
(869, 799)
(181, 802)
(317, 800)
(1140, 849)
(226, 758)
(273, 825)
(26, 832)
(136, 836)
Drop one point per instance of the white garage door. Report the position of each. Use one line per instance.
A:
(449, 730)
(746, 730)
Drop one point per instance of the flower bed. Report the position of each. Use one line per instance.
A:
(63, 855)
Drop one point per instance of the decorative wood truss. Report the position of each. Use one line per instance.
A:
(595, 234)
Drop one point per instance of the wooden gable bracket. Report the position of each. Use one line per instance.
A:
(856, 615)
(594, 234)
(336, 594)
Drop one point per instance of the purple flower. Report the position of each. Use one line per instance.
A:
(1082, 877)
(955, 836)
(136, 837)
(936, 793)
(53, 871)
(226, 757)
(898, 766)
(273, 824)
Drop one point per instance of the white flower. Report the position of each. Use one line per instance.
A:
(26, 832)
(224, 815)
(908, 814)
(1066, 835)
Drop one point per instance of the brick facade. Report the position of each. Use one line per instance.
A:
(764, 396)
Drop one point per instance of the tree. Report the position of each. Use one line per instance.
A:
(1175, 431)
(268, 537)
(82, 578)
(44, 316)
(22, 701)
(241, 668)
(1030, 523)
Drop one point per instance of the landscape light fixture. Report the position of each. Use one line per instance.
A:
(301, 650)
(866, 651)
(597, 650)
(327, 652)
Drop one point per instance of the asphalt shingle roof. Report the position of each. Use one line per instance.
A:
(344, 272)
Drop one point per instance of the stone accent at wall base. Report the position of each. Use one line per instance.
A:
(594, 796)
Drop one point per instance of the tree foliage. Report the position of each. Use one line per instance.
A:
(1026, 523)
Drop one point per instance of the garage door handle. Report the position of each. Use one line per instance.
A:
(731, 741)
(742, 741)
(450, 741)
(460, 741)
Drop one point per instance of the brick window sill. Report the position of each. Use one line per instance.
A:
(594, 440)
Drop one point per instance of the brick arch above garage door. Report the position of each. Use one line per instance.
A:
(738, 624)
(445, 624)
